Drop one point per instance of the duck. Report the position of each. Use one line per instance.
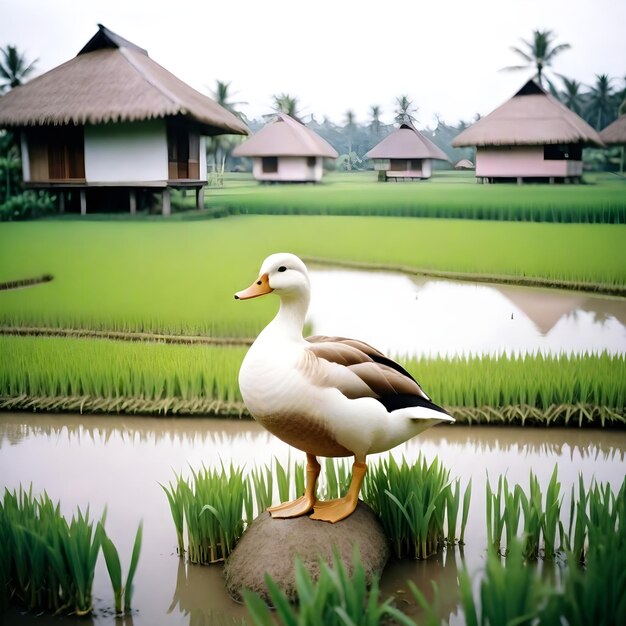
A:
(325, 396)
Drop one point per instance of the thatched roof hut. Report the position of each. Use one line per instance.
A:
(532, 137)
(406, 142)
(464, 164)
(113, 120)
(285, 150)
(112, 80)
(285, 137)
(531, 117)
(615, 133)
(404, 154)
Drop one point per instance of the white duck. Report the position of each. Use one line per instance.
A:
(326, 396)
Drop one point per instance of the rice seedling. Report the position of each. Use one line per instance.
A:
(122, 593)
(595, 513)
(412, 502)
(102, 375)
(541, 521)
(510, 592)
(595, 594)
(359, 194)
(47, 563)
(210, 505)
(335, 598)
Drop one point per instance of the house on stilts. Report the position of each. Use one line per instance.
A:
(286, 151)
(405, 154)
(111, 125)
(532, 137)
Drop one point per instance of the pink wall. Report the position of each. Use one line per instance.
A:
(522, 161)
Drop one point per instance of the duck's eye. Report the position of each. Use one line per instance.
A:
(282, 268)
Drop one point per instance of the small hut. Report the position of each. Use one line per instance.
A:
(464, 164)
(615, 135)
(113, 120)
(286, 151)
(405, 154)
(530, 137)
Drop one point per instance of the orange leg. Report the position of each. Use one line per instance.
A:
(303, 504)
(336, 510)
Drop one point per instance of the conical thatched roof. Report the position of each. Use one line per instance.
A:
(112, 80)
(406, 142)
(284, 136)
(615, 133)
(464, 164)
(530, 117)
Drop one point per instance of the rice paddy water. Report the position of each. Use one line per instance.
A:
(65, 456)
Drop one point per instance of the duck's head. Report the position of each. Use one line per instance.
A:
(283, 273)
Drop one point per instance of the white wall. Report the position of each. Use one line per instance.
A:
(127, 152)
(290, 169)
(204, 174)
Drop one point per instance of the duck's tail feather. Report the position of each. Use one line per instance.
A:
(423, 409)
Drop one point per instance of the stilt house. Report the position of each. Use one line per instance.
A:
(112, 123)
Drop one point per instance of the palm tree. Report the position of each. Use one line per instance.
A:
(601, 109)
(284, 103)
(375, 123)
(220, 146)
(222, 95)
(13, 68)
(572, 96)
(405, 109)
(538, 54)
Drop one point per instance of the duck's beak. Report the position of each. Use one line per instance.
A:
(256, 289)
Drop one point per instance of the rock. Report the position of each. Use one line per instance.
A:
(271, 545)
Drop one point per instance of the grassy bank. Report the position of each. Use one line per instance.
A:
(101, 375)
(179, 277)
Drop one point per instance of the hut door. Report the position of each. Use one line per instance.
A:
(183, 152)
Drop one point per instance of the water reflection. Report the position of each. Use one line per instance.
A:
(410, 315)
(118, 463)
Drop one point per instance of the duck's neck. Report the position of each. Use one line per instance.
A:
(289, 320)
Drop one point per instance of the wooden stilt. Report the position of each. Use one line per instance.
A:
(132, 201)
(83, 202)
(167, 202)
(200, 198)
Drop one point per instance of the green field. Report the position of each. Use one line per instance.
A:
(180, 277)
(445, 195)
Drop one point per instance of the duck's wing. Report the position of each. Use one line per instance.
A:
(358, 370)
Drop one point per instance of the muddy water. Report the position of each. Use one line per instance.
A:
(416, 316)
(119, 463)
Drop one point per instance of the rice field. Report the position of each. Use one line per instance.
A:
(179, 277)
(156, 378)
(450, 195)
(48, 563)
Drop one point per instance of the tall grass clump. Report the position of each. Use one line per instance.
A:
(334, 598)
(48, 563)
(418, 504)
(541, 516)
(210, 505)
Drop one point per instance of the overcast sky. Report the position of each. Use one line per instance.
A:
(336, 55)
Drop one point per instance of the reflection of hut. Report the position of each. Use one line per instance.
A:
(532, 136)
(615, 135)
(285, 150)
(113, 120)
(405, 154)
(545, 308)
(464, 164)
